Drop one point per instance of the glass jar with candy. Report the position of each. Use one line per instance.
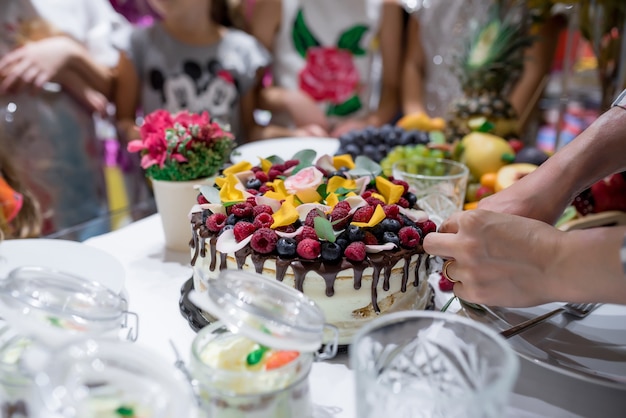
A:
(255, 361)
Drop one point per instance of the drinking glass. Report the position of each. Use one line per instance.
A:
(438, 184)
(431, 364)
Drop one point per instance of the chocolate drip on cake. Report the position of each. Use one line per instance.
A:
(379, 262)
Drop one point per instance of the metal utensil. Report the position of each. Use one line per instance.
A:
(576, 310)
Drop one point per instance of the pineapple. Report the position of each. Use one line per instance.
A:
(491, 62)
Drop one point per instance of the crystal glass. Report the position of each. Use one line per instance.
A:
(431, 364)
(439, 184)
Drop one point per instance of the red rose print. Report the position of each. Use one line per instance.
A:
(329, 75)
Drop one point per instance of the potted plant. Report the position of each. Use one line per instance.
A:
(179, 151)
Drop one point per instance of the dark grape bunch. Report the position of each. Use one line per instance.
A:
(375, 143)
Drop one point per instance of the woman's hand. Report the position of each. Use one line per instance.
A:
(499, 259)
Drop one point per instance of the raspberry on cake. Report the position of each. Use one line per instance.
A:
(340, 232)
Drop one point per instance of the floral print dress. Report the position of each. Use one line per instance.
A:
(326, 48)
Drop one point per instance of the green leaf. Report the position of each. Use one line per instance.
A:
(321, 190)
(210, 193)
(486, 127)
(303, 39)
(343, 190)
(275, 159)
(324, 229)
(351, 39)
(364, 166)
(346, 108)
(306, 157)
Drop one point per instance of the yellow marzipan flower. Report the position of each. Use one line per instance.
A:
(331, 200)
(286, 215)
(336, 182)
(265, 165)
(228, 191)
(280, 192)
(237, 168)
(343, 160)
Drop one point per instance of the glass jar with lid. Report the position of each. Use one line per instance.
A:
(255, 361)
(101, 378)
(54, 307)
(43, 309)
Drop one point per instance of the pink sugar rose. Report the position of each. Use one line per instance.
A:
(329, 75)
(305, 179)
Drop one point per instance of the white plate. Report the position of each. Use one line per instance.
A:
(284, 148)
(66, 256)
(592, 348)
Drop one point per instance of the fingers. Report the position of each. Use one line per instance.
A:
(450, 225)
(20, 75)
(443, 245)
(444, 242)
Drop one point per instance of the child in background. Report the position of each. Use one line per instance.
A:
(191, 59)
(328, 50)
(55, 71)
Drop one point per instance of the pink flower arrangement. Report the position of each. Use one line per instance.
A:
(181, 147)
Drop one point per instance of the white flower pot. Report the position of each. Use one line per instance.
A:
(174, 200)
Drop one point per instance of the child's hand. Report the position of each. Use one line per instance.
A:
(304, 110)
(82, 92)
(35, 64)
(312, 130)
(348, 126)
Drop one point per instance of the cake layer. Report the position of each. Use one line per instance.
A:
(350, 294)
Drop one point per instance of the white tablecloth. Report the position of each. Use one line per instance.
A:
(154, 277)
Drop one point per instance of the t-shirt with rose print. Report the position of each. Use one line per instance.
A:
(326, 48)
(176, 76)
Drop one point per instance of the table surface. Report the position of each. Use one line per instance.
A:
(155, 275)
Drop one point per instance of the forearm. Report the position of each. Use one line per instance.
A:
(538, 60)
(390, 34)
(97, 76)
(412, 93)
(589, 265)
(127, 130)
(594, 154)
(388, 107)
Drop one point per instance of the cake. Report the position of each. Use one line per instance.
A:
(336, 229)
